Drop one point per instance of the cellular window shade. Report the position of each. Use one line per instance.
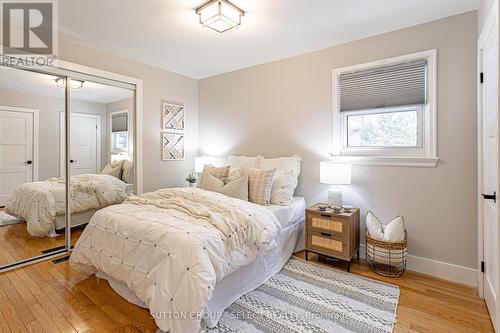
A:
(119, 122)
(385, 86)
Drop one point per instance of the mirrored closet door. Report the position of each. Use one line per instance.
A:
(101, 149)
(66, 151)
(32, 185)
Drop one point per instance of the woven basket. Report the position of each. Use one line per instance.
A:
(386, 259)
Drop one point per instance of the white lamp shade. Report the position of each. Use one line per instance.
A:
(334, 173)
(200, 162)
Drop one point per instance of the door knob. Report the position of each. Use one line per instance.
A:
(72, 161)
(490, 196)
(28, 162)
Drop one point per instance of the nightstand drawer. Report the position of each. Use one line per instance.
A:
(328, 223)
(328, 244)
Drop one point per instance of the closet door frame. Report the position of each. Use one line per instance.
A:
(69, 71)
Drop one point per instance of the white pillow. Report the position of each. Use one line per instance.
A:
(393, 232)
(374, 227)
(236, 162)
(291, 163)
(284, 184)
(285, 178)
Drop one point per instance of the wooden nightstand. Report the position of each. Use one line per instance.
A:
(332, 234)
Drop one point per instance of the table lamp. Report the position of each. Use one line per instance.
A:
(335, 173)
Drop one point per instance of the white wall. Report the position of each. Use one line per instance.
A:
(158, 85)
(285, 107)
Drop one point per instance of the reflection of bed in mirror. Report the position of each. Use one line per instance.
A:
(42, 204)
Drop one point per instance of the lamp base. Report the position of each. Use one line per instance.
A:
(335, 197)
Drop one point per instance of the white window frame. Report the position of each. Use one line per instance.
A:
(425, 155)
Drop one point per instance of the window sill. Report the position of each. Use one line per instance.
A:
(393, 161)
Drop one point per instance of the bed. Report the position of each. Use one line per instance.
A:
(186, 253)
(42, 204)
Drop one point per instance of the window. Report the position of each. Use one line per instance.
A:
(384, 112)
(119, 140)
(390, 128)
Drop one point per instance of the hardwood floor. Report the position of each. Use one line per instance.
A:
(48, 297)
(17, 244)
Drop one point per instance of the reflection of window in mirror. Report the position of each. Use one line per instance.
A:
(119, 132)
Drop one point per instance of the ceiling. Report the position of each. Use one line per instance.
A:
(25, 82)
(166, 33)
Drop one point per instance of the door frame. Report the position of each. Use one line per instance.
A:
(62, 140)
(35, 112)
(491, 25)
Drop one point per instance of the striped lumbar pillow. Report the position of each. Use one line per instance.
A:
(260, 184)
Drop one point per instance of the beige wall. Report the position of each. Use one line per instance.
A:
(158, 85)
(49, 109)
(285, 107)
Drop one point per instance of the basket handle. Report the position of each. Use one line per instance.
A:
(326, 234)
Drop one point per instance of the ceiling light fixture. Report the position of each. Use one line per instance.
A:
(220, 15)
(73, 84)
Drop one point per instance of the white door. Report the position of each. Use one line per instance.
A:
(490, 174)
(16, 151)
(84, 143)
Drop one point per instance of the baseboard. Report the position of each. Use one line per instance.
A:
(439, 269)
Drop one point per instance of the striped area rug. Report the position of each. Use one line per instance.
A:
(305, 297)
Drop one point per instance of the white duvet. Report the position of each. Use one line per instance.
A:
(172, 246)
(38, 203)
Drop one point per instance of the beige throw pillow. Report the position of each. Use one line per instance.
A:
(114, 169)
(260, 184)
(237, 188)
(220, 173)
(128, 172)
(115, 172)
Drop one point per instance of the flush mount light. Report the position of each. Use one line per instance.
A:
(73, 84)
(220, 15)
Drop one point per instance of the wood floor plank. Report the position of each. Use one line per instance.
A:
(55, 315)
(16, 300)
(101, 294)
(34, 327)
(60, 303)
(9, 313)
(4, 328)
(44, 319)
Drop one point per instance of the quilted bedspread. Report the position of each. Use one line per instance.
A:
(172, 246)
